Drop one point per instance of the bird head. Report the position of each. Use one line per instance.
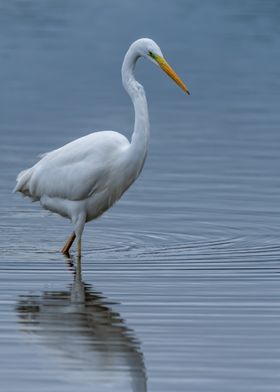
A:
(149, 49)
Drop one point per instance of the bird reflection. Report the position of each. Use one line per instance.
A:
(80, 325)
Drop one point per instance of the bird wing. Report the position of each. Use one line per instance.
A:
(76, 170)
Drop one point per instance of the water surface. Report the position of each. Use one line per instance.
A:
(180, 282)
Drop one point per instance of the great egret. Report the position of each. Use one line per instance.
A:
(84, 178)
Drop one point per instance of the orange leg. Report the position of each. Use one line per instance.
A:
(68, 244)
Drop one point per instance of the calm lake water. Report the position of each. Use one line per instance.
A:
(180, 281)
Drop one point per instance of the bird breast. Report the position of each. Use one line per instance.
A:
(116, 181)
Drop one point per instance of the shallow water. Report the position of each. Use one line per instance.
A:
(179, 289)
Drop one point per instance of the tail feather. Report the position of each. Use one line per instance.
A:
(23, 182)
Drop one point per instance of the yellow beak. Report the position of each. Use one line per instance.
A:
(172, 74)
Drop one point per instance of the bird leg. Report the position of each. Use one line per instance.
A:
(79, 224)
(68, 244)
(79, 247)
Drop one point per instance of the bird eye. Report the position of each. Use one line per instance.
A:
(151, 54)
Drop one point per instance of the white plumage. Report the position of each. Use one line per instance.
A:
(84, 178)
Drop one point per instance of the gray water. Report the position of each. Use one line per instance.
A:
(179, 288)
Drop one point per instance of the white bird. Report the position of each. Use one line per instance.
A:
(84, 178)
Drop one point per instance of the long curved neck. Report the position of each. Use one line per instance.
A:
(140, 136)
